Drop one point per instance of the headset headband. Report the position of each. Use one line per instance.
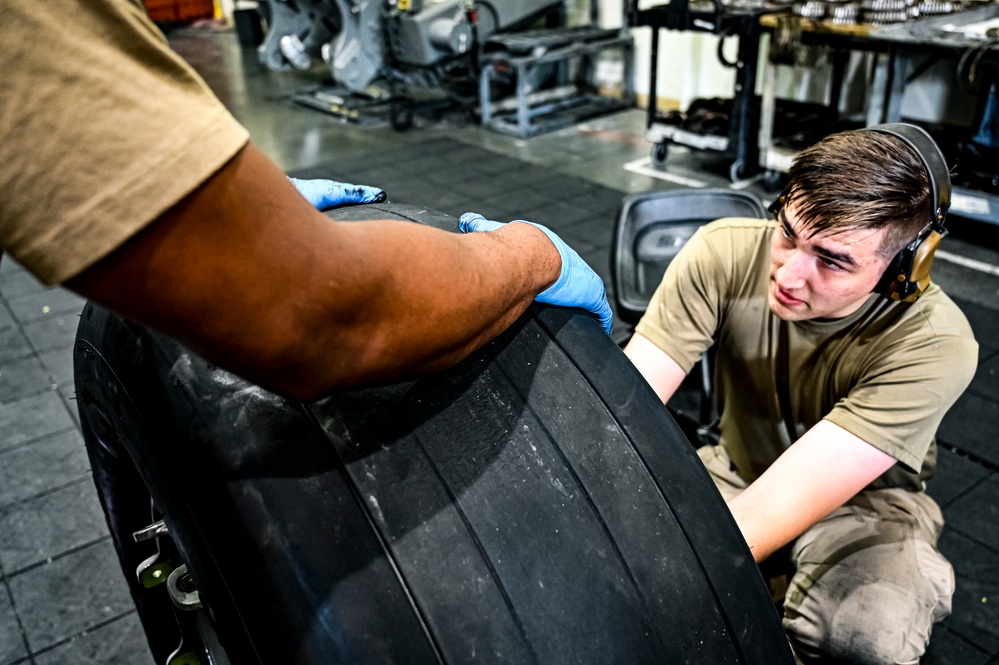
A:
(933, 160)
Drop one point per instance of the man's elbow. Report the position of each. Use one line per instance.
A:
(291, 352)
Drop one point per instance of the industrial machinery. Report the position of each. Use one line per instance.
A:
(378, 51)
(364, 40)
(527, 70)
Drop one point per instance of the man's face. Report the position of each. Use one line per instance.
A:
(821, 277)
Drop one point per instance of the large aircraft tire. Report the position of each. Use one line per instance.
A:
(534, 504)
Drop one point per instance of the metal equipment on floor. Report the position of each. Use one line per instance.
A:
(392, 61)
(727, 127)
(517, 59)
(571, 95)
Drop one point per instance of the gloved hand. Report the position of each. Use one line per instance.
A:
(577, 285)
(326, 194)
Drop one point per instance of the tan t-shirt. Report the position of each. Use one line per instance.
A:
(887, 373)
(103, 129)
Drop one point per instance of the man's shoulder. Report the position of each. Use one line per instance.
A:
(941, 315)
(933, 329)
(736, 239)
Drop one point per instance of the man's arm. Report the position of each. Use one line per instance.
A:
(248, 274)
(662, 372)
(819, 473)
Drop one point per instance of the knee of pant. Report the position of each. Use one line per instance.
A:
(863, 629)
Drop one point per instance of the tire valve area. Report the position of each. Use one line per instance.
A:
(183, 589)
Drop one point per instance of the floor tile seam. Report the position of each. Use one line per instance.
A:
(968, 639)
(48, 316)
(48, 372)
(14, 361)
(14, 505)
(964, 534)
(22, 661)
(71, 408)
(76, 311)
(51, 387)
(960, 636)
(18, 324)
(971, 390)
(56, 557)
(50, 435)
(26, 289)
(30, 354)
(51, 289)
(67, 348)
(17, 618)
(82, 633)
(37, 352)
(967, 454)
(966, 490)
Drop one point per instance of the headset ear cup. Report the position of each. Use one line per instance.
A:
(908, 274)
(922, 261)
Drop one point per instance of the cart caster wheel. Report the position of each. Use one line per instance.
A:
(401, 116)
(774, 181)
(659, 154)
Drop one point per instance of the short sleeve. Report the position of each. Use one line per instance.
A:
(686, 309)
(105, 128)
(900, 401)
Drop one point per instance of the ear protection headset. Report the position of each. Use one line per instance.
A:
(908, 273)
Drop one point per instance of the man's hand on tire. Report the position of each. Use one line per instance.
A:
(327, 194)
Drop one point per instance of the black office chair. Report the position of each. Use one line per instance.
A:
(649, 231)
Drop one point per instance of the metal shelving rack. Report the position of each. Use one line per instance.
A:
(740, 143)
(530, 112)
(895, 46)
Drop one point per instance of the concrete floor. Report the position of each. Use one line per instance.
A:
(63, 598)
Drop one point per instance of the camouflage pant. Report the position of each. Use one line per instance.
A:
(868, 582)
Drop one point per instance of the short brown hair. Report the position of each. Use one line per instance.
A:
(862, 180)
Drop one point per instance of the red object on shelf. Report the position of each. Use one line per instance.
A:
(179, 11)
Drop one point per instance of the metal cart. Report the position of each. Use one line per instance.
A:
(739, 143)
(530, 112)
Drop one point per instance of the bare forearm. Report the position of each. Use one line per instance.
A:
(765, 524)
(820, 472)
(405, 299)
(252, 277)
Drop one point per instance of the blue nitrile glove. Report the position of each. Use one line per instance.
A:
(577, 285)
(326, 194)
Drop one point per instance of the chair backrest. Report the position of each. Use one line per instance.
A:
(652, 227)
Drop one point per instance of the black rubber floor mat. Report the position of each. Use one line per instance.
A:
(454, 177)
